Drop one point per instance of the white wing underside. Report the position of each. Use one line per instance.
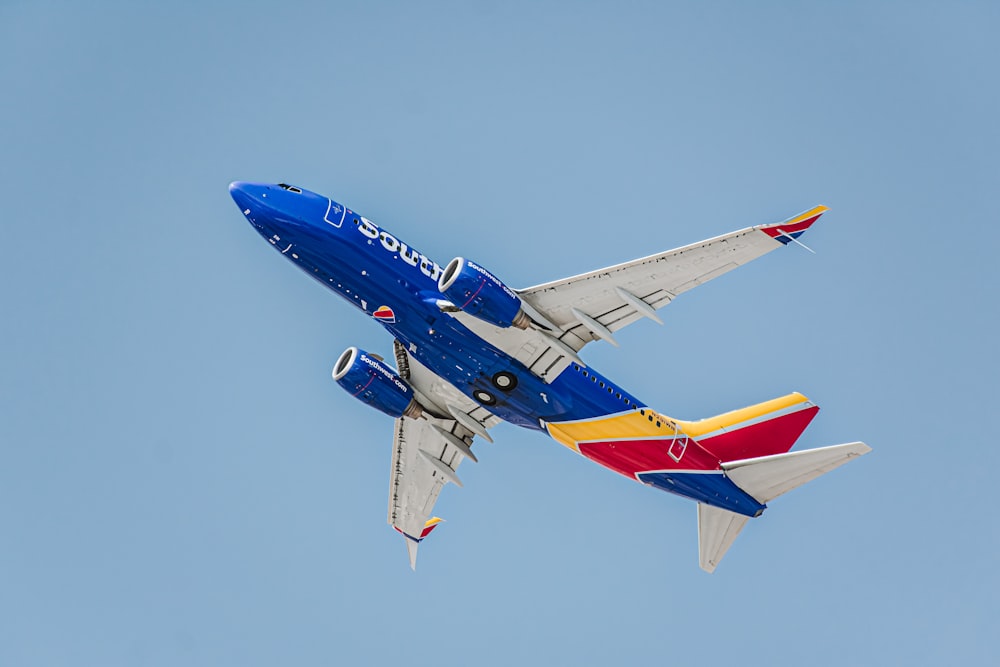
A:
(415, 482)
(654, 280)
(423, 460)
(572, 312)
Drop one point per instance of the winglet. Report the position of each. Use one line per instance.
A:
(411, 549)
(430, 525)
(788, 230)
(413, 542)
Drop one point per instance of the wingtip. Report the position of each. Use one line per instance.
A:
(789, 230)
(411, 551)
(810, 215)
(861, 448)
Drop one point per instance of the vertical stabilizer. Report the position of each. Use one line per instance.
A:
(717, 528)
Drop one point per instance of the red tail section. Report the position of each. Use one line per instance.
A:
(759, 430)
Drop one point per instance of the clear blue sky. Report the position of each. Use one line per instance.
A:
(181, 482)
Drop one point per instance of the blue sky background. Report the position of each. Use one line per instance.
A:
(181, 482)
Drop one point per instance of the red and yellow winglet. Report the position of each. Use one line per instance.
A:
(430, 525)
(791, 229)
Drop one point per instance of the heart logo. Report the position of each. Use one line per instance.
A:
(384, 314)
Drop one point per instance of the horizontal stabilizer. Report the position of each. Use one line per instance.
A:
(717, 528)
(767, 477)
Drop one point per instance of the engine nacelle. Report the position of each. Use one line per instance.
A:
(476, 291)
(374, 383)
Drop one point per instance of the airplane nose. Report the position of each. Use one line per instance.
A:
(238, 190)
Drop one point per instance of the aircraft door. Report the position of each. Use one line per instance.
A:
(335, 214)
(678, 444)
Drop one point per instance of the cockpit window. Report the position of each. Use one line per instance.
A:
(290, 188)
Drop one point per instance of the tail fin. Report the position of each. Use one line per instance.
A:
(764, 429)
(765, 478)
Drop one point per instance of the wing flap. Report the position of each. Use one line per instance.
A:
(423, 461)
(414, 483)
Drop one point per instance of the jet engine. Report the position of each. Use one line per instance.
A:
(476, 291)
(374, 383)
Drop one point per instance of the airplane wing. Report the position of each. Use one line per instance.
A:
(426, 452)
(594, 305)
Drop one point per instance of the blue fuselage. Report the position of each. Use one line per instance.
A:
(398, 286)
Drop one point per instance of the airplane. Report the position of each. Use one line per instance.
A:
(471, 352)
